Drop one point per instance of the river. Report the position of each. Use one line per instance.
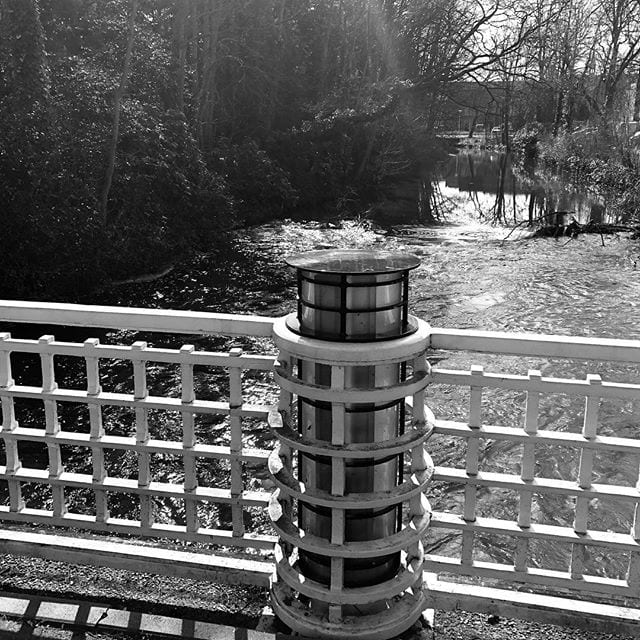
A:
(473, 275)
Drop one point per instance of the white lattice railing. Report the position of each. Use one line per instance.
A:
(186, 491)
(523, 484)
(526, 437)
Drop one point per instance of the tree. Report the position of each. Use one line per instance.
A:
(117, 106)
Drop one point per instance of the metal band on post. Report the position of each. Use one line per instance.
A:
(351, 356)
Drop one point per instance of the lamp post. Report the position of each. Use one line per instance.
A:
(347, 567)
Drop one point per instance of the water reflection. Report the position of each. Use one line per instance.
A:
(495, 189)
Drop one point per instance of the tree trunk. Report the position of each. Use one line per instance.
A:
(180, 50)
(115, 129)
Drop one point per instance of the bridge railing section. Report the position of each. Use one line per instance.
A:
(547, 495)
(177, 455)
(496, 517)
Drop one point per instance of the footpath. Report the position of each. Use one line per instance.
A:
(47, 600)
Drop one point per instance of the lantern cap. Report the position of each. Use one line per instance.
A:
(353, 261)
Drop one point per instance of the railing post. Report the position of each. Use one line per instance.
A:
(348, 567)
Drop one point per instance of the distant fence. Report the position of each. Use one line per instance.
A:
(458, 578)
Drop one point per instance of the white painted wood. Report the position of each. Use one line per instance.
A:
(523, 344)
(189, 440)
(491, 526)
(562, 438)
(52, 426)
(358, 354)
(124, 442)
(166, 320)
(545, 385)
(538, 485)
(509, 603)
(235, 423)
(5, 360)
(154, 354)
(534, 577)
(9, 425)
(145, 558)
(133, 527)
(92, 364)
(124, 485)
(527, 467)
(128, 400)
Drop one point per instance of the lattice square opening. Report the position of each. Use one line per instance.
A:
(494, 548)
(440, 541)
(255, 477)
(212, 472)
(212, 429)
(165, 425)
(118, 421)
(503, 408)
(163, 379)
(166, 468)
(76, 458)
(169, 510)
(29, 413)
(553, 509)
(561, 412)
(446, 496)
(80, 501)
(116, 375)
(121, 463)
(257, 519)
(611, 514)
(211, 383)
(123, 505)
(74, 417)
(549, 554)
(606, 562)
(447, 450)
(26, 369)
(208, 514)
(70, 372)
(500, 456)
(33, 455)
(37, 495)
(495, 502)
(448, 402)
(256, 434)
(557, 462)
(4, 489)
(615, 468)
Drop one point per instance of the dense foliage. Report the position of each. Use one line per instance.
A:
(136, 132)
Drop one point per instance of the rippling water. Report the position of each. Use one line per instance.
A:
(473, 277)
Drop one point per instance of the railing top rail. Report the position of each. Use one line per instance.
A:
(206, 323)
(539, 345)
(159, 320)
